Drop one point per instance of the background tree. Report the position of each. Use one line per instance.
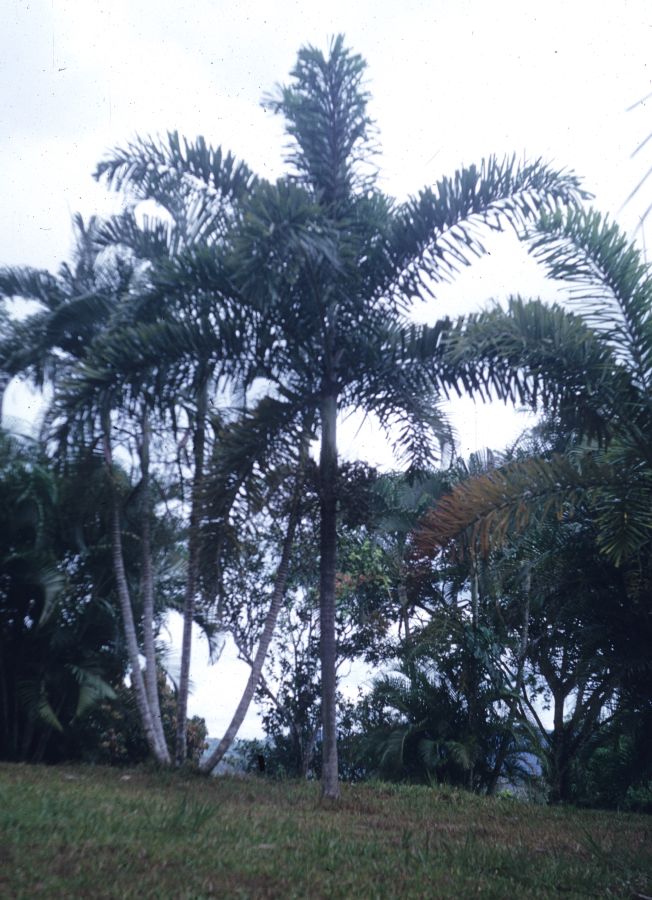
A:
(593, 370)
(196, 191)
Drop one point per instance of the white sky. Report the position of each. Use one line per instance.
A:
(451, 80)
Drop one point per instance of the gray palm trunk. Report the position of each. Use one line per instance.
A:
(151, 681)
(192, 577)
(158, 748)
(4, 383)
(280, 585)
(328, 562)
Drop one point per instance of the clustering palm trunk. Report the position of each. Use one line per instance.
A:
(155, 740)
(192, 577)
(147, 581)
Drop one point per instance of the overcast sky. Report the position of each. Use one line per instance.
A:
(451, 82)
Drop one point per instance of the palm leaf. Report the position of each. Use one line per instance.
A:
(504, 501)
(178, 173)
(611, 280)
(92, 688)
(545, 357)
(34, 699)
(326, 117)
(31, 284)
(440, 230)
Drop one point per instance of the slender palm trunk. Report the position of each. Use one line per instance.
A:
(403, 600)
(147, 581)
(328, 561)
(4, 383)
(473, 675)
(280, 584)
(192, 578)
(159, 750)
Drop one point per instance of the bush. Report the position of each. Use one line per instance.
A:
(112, 734)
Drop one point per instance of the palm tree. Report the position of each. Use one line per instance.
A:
(333, 307)
(423, 734)
(78, 305)
(592, 373)
(188, 344)
(198, 193)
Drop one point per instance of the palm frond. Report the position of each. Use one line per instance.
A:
(149, 239)
(613, 282)
(440, 230)
(92, 688)
(33, 698)
(174, 172)
(284, 231)
(28, 283)
(545, 357)
(504, 501)
(247, 443)
(325, 111)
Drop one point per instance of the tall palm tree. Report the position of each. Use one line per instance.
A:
(198, 193)
(333, 308)
(189, 346)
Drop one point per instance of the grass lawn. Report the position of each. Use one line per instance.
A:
(97, 832)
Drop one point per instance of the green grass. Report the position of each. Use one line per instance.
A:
(96, 832)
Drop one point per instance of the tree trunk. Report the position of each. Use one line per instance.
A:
(160, 751)
(147, 582)
(307, 753)
(199, 441)
(327, 565)
(403, 601)
(559, 751)
(473, 675)
(4, 384)
(280, 584)
(501, 756)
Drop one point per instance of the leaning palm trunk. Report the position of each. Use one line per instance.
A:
(199, 441)
(328, 560)
(280, 585)
(151, 681)
(154, 742)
